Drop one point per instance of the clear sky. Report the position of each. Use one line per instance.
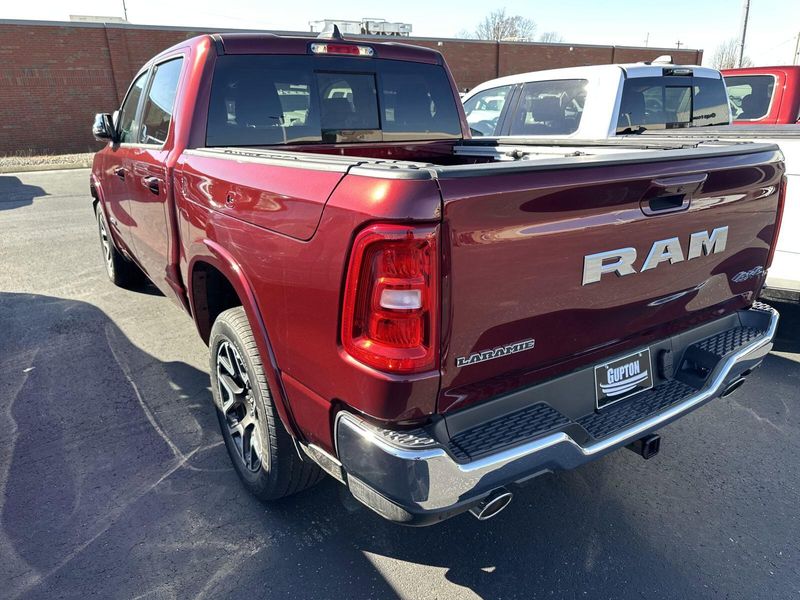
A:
(695, 23)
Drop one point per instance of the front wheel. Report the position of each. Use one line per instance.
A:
(259, 447)
(120, 270)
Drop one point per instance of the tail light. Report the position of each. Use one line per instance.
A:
(391, 298)
(778, 219)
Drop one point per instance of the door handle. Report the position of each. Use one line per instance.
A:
(671, 194)
(120, 172)
(152, 183)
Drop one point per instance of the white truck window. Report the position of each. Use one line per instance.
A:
(549, 107)
(671, 102)
(484, 108)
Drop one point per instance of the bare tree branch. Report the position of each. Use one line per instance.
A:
(726, 55)
(500, 26)
(551, 37)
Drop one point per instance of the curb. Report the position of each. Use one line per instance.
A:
(44, 167)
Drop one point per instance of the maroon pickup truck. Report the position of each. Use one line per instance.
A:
(429, 319)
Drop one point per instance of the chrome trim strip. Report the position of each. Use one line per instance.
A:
(328, 463)
(444, 483)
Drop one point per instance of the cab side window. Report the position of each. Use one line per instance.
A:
(160, 101)
(484, 108)
(750, 96)
(127, 115)
(550, 107)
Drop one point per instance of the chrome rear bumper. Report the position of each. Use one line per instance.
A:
(412, 478)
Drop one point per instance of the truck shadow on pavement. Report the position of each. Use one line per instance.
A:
(14, 193)
(115, 483)
(787, 339)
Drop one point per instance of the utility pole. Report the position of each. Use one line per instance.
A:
(678, 44)
(796, 56)
(124, 10)
(743, 34)
(647, 40)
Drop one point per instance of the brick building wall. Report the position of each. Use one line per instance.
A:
(55, 76)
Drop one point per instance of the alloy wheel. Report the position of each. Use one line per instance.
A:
(239, 405)
(105, 243)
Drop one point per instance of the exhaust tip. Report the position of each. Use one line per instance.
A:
(733, 386)
(492, 505)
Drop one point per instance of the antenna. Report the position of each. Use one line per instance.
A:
(331, 32)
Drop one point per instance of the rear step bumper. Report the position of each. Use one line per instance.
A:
(417, 478)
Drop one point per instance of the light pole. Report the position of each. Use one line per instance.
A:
(743, 34)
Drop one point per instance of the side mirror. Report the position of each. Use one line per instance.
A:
(103, 128)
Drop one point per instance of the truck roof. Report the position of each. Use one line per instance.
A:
(268, 43)
(762, 70)
(630, 70)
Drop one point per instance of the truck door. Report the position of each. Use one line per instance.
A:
(149, 182)
(117, 164)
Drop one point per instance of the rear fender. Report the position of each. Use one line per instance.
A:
(213, 254)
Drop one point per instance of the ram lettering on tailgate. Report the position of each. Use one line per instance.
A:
(621, 261)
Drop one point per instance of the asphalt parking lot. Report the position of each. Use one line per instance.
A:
(115, 483)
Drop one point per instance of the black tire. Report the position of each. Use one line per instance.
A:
(121, 271)
(260, 448)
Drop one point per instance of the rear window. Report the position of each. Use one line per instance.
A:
(268, 100)
(750, 96)
(672, 102)
(549, 107)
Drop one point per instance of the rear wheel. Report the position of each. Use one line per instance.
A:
(259, 447)
(121, 271)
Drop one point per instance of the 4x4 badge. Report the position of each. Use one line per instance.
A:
(478, 357)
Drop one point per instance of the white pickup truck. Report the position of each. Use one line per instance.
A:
(783, 278)
(598, 101)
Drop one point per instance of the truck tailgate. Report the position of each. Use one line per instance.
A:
(518, 305)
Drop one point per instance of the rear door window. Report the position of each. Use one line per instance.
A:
(670, 102)
(160, 101)
(750, 96)
(128, 125)
(259, 100)
(483, 110)
(549, 108)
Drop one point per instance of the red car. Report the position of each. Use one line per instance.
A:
(427, 318)
(764, 95)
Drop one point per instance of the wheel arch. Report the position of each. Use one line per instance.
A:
(215, 283)
(96, 190)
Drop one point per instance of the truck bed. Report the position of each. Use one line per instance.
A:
(475, 157)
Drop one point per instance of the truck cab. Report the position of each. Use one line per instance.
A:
(598, 101)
